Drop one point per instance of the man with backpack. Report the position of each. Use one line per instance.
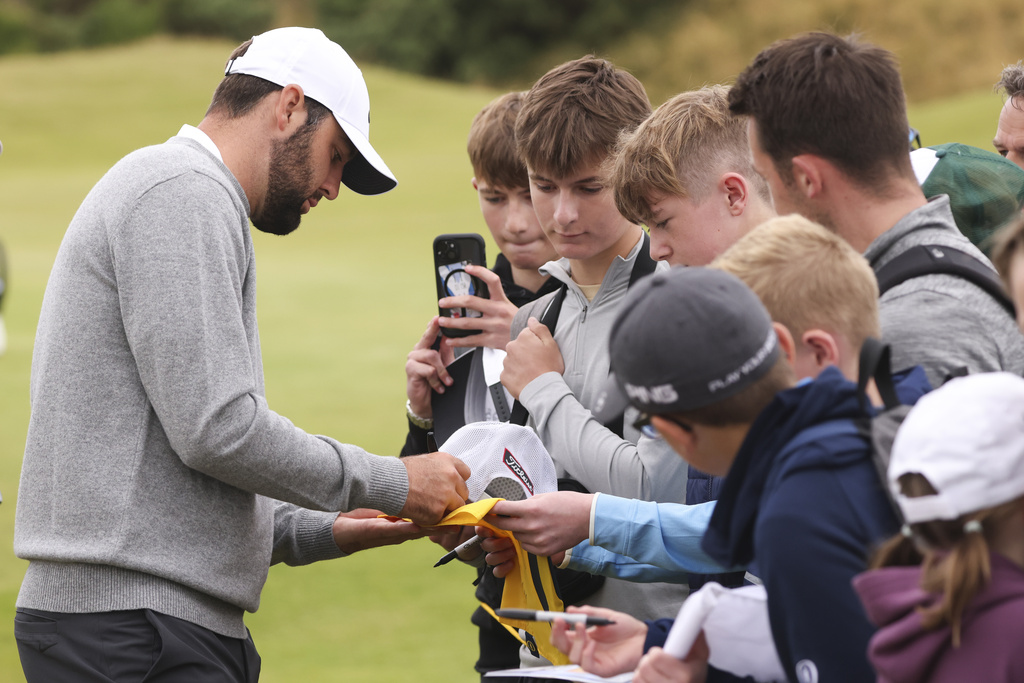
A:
(828, 130)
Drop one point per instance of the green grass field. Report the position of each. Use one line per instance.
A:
(340, 303)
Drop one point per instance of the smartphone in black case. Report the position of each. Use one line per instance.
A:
(452, 253)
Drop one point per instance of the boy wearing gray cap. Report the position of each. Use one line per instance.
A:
(801, 502)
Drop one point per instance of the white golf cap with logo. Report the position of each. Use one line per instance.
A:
(307, 58)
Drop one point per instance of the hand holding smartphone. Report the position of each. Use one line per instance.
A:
(452, 253)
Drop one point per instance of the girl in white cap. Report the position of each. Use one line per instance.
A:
(957, 472)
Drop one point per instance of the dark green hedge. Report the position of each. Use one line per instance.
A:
(469, 40)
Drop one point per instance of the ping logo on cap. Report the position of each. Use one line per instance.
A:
(517, 469)
(662, 393)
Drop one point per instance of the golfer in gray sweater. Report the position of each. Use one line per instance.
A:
(158, 486)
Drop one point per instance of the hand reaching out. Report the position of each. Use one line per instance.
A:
(545, 524)
(362, 528)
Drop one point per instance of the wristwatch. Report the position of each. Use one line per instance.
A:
(421, 422)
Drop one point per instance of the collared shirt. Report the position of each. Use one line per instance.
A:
(202, 138)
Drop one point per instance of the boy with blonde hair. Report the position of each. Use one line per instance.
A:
(814, 284)
(685, 172)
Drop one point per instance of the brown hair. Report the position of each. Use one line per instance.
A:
(237, 94)
(834, 97)
(492, 143)
(1011, 82)
(807, 277)
(1006, 244)
(680, 150)
(574, 113)
(955, 562)
(744, 407)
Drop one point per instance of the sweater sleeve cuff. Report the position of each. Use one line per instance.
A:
(315, 535)
(389, 486)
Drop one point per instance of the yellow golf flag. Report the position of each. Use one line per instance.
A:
(529, 586)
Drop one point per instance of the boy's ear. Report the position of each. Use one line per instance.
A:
(809, 174)
(823, 347)
(786, 342)
(733, 187)
(473, 181)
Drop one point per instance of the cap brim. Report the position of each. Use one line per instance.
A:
(365, 173)
(611, 402)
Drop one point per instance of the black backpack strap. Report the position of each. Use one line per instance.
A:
(934, 259)
(549, 318)
(874, 364)
(644, 265)
(879, 430)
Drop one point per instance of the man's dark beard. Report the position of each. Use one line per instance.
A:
(289, 184)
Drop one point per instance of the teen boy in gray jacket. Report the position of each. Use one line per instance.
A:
(568, 124)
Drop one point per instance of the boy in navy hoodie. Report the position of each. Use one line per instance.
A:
(801, 499)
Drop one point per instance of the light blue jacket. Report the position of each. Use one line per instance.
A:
(643, 541)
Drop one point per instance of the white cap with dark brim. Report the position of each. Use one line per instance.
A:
(309, 59)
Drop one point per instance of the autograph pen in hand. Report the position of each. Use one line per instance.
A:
(455, 552)
(539, 615)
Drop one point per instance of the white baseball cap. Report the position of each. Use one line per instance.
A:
(309, 59)
(967, 439)
(502, 456)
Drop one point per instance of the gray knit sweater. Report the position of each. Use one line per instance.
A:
(942, 322)
(154, 467)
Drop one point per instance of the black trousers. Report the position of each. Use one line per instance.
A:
(136, 646)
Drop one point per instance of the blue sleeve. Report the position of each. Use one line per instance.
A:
(813, 536)
(665, 535)
(594, 560)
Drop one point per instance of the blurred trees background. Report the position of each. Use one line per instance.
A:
(945, 46)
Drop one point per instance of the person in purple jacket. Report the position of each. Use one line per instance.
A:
(957, 471)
